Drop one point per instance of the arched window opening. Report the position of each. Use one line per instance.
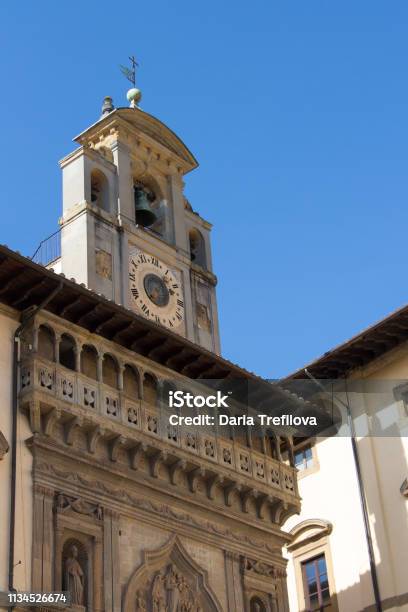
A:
(257, 605)
(145, 204)
(197, 248)
(225, 430)
(67, 352)
(150, 389)
(272, 445)
(287, 453)
(258, 439)
(167, 389)
(130, 382)
(110, 372)
(46, 343)
(242, 434)
(89, 361)
(99, 190)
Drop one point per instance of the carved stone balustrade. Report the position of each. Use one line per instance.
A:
(140, 432)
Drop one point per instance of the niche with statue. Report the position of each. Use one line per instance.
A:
(75, 572)
(78, 566)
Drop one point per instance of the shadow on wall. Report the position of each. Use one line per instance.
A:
(384, 468)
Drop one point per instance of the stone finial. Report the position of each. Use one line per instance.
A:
(107, 106)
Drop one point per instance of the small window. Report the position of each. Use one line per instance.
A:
(304, 458)
(316, 583)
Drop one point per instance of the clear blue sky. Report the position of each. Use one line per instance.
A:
(297, 113)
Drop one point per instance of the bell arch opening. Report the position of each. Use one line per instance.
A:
(99, 190)
(197, 248)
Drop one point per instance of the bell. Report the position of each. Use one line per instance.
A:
(144, 214)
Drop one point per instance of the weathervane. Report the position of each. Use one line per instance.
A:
(134, 94)
(130, 73)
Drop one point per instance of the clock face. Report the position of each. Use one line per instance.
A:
(155, 290)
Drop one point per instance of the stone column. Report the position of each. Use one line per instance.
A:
(42, 538)
(78, 350)
(35, 337)
(57, 347)
(121, 369)
(233, 580)
(98, 576)
(111, 576)
(36, 576)
(278, 453)
(107, 559)
(141, 379)
(100, 366)
(59, 541)
(48, 539)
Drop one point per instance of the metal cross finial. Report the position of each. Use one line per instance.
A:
(130, 73)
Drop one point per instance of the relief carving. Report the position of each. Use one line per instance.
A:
(262, 569)
(162, 510)
(81, 506)
(103, 263)
(171, 592)
(169, 581)
(203, 319)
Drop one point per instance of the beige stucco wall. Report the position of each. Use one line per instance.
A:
(331, 493)
(8, 324)
(384, 461)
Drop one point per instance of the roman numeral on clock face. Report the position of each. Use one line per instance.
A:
(155, 290)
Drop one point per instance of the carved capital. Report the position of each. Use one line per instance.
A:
(40, 489)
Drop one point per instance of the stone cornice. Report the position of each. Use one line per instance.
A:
(120, 500)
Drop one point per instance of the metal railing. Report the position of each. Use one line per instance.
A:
(48, 250)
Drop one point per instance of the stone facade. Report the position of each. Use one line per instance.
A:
(113, 504)
(160, 516)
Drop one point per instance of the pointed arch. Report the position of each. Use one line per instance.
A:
(171, 560)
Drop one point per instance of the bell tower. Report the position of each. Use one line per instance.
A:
(127, 230)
